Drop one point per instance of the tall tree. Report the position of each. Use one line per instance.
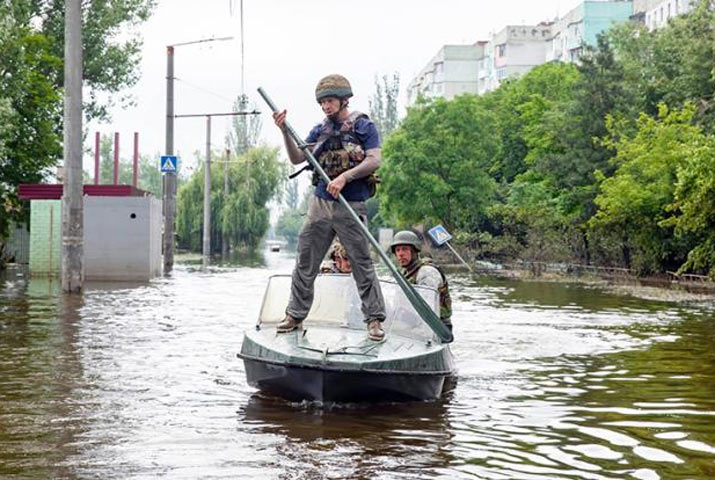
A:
(436, 164)
(383, 104)
(242, 217)
(633, 204)
(245, 129)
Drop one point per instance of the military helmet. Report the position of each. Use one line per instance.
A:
(333, 86)
(338, 251)
(406, 237)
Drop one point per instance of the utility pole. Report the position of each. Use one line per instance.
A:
(169, 206)
(224, 238)
(207, 196)
(169, 182)
(206, 241)
(72, 266)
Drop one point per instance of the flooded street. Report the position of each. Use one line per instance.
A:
(555, 380)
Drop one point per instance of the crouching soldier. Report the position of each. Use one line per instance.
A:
(422, 271)
(338, 261)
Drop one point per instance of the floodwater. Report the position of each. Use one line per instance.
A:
(555, 381)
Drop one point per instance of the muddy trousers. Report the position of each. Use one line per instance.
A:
(325, 219)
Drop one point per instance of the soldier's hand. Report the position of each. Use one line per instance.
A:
(280, 119)
(336, 185)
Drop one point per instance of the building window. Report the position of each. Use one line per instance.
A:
(676, 7)
(501, 74)
(501, 50)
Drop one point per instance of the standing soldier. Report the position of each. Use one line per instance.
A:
(347, 146)
(422, 271)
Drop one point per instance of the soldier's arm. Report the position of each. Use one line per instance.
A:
(370, 163)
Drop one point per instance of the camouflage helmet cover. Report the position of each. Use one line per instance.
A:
(406, 237)
(333, 86)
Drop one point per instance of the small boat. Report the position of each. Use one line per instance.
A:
(330, 358)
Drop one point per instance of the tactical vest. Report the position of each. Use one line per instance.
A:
(341, 150)
(445, 301)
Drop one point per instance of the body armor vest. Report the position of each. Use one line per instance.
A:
(445, 301)
(341, 150)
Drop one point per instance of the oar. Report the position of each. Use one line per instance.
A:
(424, 311)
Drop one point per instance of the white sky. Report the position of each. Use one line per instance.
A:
(289, 45)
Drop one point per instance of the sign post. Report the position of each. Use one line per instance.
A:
(441, 236)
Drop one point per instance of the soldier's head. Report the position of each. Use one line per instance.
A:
(406, 247)
(340, 256)
(332, 93)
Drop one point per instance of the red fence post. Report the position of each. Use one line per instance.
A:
(136, 158)
(116, 158)
(96, 158)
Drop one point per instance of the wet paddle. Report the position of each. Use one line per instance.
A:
(424, 310)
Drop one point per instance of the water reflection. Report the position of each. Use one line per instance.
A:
(555, 381)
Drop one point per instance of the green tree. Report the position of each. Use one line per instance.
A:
(672, 65)
(31, 81)
(633, 204)
(436, 164)
(245, 129)
(383, 104)
(694, 205)
(242, 217)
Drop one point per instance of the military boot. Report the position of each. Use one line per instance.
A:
(288, 325)
(374, 330)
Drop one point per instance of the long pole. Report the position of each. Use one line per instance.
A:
(207, 196)
(169, 206)
(72, 266)
(224, 238)
(116, 158)
(459, 256)
(424, 310)
(135, 166)
(96, 158)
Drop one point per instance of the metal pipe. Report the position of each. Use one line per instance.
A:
(116, 158)
(424, 310)
(96, 158)
(136, 159)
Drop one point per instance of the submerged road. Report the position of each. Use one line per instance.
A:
(555, 381)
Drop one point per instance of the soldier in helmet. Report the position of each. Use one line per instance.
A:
(338, 261)
(347, 146)
(406, 247)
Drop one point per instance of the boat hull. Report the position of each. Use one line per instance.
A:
(300, 382)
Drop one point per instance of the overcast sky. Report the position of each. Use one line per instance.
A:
(288, 46)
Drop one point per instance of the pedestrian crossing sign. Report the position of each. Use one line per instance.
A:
(439, 234)
(169, 163)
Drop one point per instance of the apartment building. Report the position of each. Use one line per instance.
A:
(452, 71)
(512, 51)
(581, 26)
(658, 12)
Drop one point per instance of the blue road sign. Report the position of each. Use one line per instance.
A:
(169, 163)
(439, 234)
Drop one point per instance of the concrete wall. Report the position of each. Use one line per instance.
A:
(122, 238)
(45, 236)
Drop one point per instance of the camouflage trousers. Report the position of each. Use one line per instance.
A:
(325, 219)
